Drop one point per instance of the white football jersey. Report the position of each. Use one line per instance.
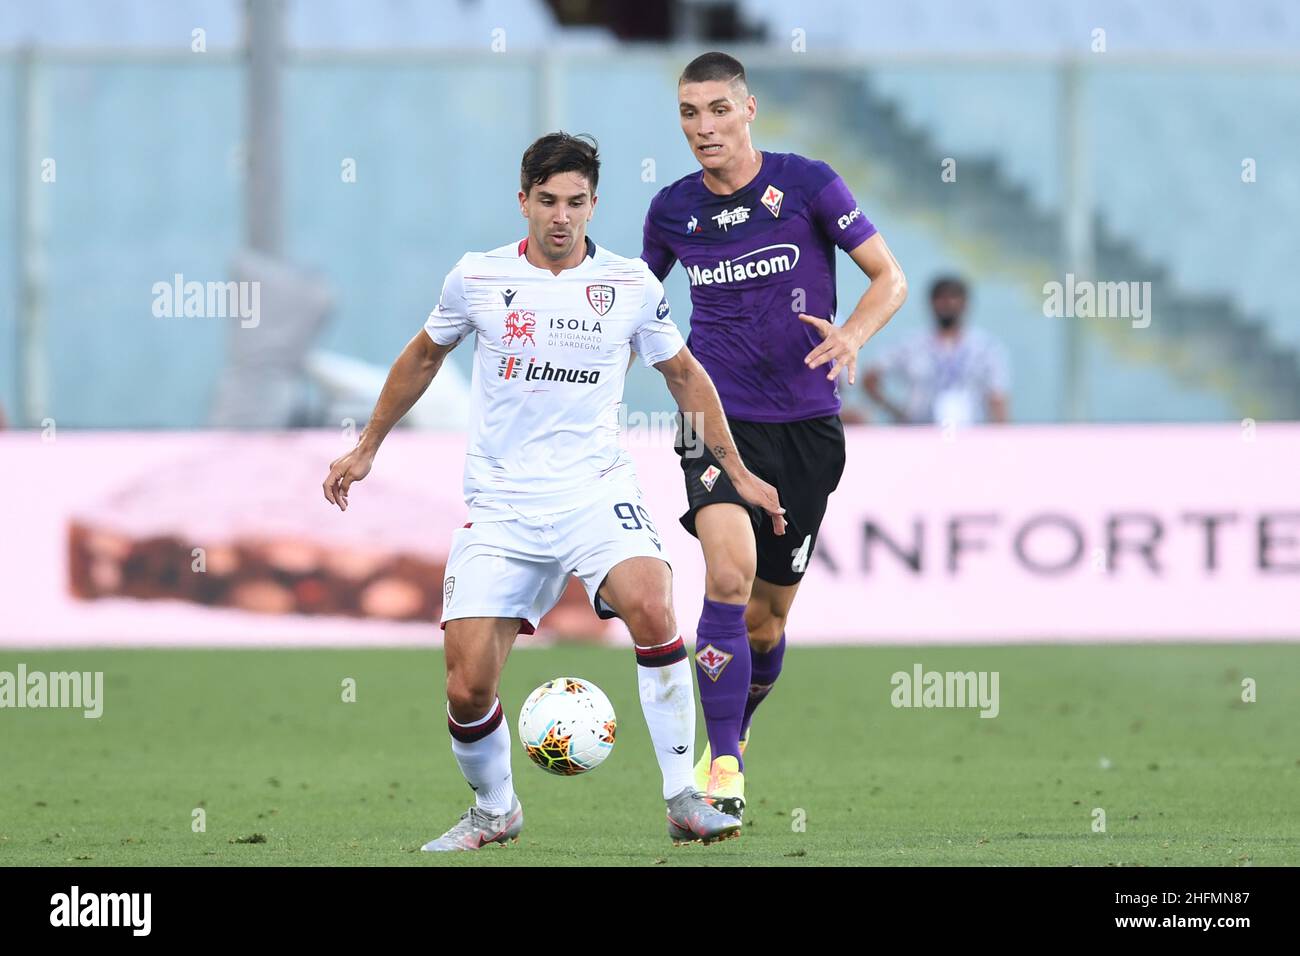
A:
(550, 357)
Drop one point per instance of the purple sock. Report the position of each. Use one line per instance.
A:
(766, 667)
(722, 668)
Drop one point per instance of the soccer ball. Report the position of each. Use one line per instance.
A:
(567, 726)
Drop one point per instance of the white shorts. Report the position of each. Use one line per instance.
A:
(519, 567)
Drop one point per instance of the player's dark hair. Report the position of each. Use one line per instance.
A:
(710, 67)
(947, 285)
(559, 153)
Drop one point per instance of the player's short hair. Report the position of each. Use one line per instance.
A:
(947, 285)
(559, 153)
(710, 67)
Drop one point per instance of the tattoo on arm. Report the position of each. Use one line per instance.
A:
(719, 452)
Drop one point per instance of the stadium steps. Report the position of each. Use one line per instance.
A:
(1205, 341)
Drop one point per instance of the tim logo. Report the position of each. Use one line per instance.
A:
(712, 661)
(601, 298)
(520, 326)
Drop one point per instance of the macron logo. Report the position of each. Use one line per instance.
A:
(752, 265)
(102, 909)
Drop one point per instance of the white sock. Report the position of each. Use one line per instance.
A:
(668, 701)
(482, 749)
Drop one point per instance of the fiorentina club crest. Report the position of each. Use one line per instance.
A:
(520, 326)
(601, 298)
(712, 661)
(772, 200)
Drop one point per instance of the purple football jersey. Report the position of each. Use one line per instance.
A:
(755, 260)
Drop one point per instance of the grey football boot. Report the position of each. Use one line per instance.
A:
(692, 818)
(476, 829)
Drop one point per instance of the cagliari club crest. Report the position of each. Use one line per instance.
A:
(601, 298)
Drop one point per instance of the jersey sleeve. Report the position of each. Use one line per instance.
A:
(654, 251)
(449, 322)
(838, 214)
(655, 337)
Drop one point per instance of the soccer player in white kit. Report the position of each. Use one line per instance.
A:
(549, 489)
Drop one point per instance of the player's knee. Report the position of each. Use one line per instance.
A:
(766, 635)
(765, 626)
(650, 619)
(469, 698)
(729, 584)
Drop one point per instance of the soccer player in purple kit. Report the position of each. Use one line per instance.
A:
(756, 233)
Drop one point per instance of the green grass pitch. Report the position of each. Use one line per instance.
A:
(1156, 736)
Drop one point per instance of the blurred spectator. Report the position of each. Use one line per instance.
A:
(954, 374)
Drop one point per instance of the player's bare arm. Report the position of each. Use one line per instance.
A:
(884, 296)
(406, 382)
(698, 399)
(999, 408)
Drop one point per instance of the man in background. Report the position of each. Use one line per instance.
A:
(953, 374)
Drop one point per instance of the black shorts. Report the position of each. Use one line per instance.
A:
(802, 460)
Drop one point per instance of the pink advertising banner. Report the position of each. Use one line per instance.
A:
(984, 534)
